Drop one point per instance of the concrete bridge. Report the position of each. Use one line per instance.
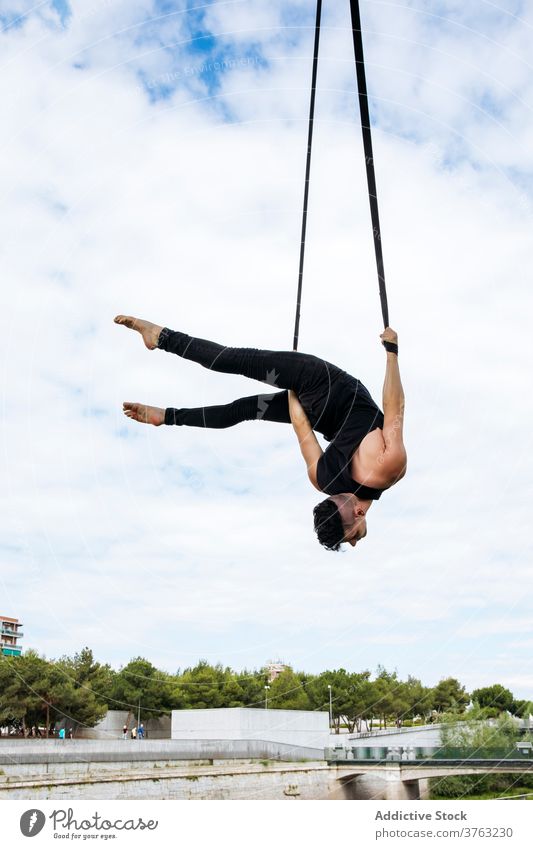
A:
(386, 779)
(170, 769)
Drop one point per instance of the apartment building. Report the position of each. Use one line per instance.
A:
(274, 669)
(10, 634)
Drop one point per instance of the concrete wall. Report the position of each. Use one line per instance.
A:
(218, 780)
(291, 727)
(32, 751)
(253, 781)
(110, 727)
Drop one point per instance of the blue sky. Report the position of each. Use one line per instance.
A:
(153, 160)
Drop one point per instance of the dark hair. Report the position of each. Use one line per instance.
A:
(328, 525)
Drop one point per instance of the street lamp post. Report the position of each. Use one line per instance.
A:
(330, 708)
(267, 688)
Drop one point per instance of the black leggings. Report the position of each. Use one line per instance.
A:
(309, 377)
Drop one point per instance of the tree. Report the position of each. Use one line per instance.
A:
(207, 686)
(419, 699)
(357, 699)
(474, 734)
(350, 696)
(139, 683)
(448, 695)
(252, 686)
(35, 692)
(87, 688)
(387, 698)
(494, 700)
(13, 705)
(287, 691)
(471, 734)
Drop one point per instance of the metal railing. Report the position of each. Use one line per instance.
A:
(515, 752)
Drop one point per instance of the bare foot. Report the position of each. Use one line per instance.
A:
(149, 332)
(144, 413)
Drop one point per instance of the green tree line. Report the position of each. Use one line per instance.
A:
(36, 693)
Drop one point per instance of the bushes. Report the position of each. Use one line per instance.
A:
(461, 786)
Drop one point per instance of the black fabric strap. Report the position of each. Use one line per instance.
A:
(307, 174)
(391, 347)
(369, 156)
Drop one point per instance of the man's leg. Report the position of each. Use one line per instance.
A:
(272, 408)
(310, 377)
(286, 369)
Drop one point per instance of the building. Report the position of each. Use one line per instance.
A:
(10, 633)
(296, 728)
(274, 669)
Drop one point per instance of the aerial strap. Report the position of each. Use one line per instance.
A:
(369, 156)
(307, 174)
(369, 161)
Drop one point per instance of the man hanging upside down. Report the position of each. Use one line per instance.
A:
(366, 454)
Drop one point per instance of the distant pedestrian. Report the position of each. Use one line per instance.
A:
(133, 733)
(70, 733)
(61, 733)
(125, 732)
(140, 732)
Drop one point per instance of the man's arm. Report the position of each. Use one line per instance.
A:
(311, 450)
(394, 458)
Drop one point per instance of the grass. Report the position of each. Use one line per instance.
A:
(489, 794)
